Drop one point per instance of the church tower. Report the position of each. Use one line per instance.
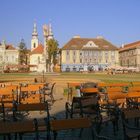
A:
(34, 41)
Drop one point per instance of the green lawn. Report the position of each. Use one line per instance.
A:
(105, 77)
(71, 76)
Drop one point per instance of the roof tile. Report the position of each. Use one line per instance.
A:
(78, 43)
(10, 47)
(38, 50)
(130, 46)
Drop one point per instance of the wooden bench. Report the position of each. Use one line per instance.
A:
(130, 131)
(114, 89)
(135, 83)
(118, 98)
(66, 124)
(117, 84)
(89, 91)
(29, 108)
(134, 89)
(22, 127)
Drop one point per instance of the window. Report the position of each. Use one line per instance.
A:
(67, 52)
(95, 54)
(135, 62)
(12, 58)
(90, 53)
(6, 58)
(86, 53)
(1, 58)
(112, 53)
(73, 52)
(67, 56)
(34, 45)
(38, 59)
(74, 69)
(67, 69)
(106, 53)
(80, 60)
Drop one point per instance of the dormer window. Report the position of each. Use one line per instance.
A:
(91, 44)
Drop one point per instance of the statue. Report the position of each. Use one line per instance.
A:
(45, 30)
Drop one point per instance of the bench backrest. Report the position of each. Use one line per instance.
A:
(57, 125)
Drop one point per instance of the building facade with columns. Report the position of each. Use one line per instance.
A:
(84, 54)
(39, 52)
(129, 55)
(8, 55)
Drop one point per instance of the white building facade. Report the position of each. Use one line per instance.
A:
(39, 52)
(8, 55)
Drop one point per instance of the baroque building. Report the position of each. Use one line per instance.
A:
(83, 54)
(39, 52)
(129, 55)
(8, 55)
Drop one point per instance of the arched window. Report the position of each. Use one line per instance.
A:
(34, 45)
(38, 60)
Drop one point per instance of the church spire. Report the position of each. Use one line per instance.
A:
(34, 33)
(34, 40)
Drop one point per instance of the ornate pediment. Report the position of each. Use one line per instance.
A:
(90, 44)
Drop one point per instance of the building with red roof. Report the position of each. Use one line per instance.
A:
(129, 55)
(37, 59)
(39, 54)
(8, 55)
(83, 54)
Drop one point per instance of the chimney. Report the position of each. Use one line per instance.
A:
(99, 37)
(76, 36)
(122, 46)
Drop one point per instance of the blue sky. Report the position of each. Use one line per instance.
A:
(116, 20)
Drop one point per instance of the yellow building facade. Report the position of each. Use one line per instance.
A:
(84, 54)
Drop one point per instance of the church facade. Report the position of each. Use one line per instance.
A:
(39, 53)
